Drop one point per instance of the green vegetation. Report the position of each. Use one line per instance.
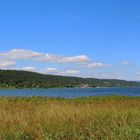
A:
(23, 79)
(90, 118)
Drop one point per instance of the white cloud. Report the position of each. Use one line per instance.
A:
(103, 75)
(21, 54)
(74, 59)
(4, 64)
(51, 70)
(125, 62)
(70, 72)
(60, 72)
(29, 68)
(97, 65)
(76, 62)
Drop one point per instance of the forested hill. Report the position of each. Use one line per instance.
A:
(24, 79)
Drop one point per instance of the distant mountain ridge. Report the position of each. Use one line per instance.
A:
(25, 79)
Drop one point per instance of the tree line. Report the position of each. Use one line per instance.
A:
(24, 79)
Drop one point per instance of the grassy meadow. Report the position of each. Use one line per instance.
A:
(87, 118)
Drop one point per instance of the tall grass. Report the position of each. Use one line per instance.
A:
(94, 118)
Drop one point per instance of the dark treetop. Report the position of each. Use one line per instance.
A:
(24, 79)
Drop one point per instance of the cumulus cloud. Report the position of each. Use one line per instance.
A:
(51, 70)
(21, 54)
(103, 75)
(4, 64)
(97, 65)
(29, 68)
(60, 72)
(70, 72)
(126, 63)
(74, 59)
(8, 60)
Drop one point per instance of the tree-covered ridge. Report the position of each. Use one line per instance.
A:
(24, 79)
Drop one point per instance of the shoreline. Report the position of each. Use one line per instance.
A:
(68, 88)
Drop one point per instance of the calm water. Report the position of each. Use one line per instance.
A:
(72, 92)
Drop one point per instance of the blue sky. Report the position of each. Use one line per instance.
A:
(87, 38)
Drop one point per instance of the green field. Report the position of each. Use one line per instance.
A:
(91, 118)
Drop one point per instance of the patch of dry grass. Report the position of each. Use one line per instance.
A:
(94, 118)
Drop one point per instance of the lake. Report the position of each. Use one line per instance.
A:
(71, 92)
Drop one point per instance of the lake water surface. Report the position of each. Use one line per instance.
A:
(71, 92)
